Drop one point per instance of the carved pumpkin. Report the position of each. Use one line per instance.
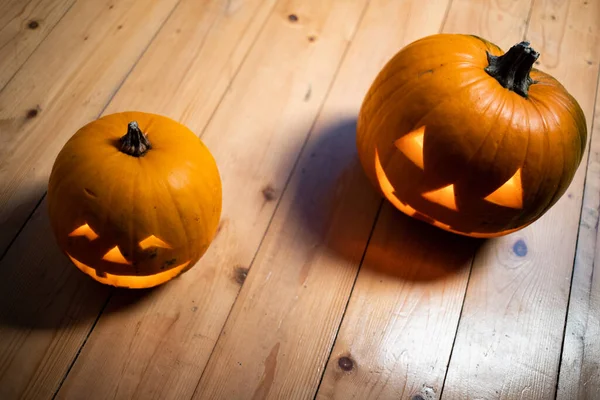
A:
(134, 199)
(457, 133)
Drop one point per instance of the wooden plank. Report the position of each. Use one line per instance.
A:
(510, 334)
(279, 334)
(23, 27)
(397, 333)
(205, 44)
(501, 22)
(47, 311)
(67, 82)
(400, 324)
(159, 349)
(49, 307)
(579, 369)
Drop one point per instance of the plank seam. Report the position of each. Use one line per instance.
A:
(83, 344)
(462, 306)
(38, 45)
(360, 264)
(460, 315)
(529, 16)
(292, 171)
(376, 219)
(445, 18)
(111, 97)
(109, 100)
(576, 254)
(12, 241)
(239, 68)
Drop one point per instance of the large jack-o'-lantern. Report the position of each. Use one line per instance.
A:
(457, 133)
(134, 199)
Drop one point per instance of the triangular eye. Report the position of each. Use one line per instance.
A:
(411, 145)
(153, 241)
(444, 197)
(85, 230)
(114, 255)
(510, 194)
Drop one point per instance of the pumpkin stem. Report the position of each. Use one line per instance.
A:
(512, 69)
(134, 142)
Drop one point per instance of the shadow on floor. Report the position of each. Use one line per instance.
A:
(40, 289)
(335, 203)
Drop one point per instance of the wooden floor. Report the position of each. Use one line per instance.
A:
(313, 287)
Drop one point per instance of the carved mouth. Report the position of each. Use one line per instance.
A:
(130, 281)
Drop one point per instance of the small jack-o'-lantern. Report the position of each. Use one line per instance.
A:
(134, 199)
(457, 133)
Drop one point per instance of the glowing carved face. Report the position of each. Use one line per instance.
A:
(434, 204)
(122, 270)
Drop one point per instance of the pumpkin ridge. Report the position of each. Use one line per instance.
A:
(167, 188)
(498, 112)
(132, 223)
(396, 90)
(162, 186)
(149, 183)
(498, 157)
(544, 152)
(501, 139)
(377, 113)
(104, 196)
(564, 168)
(546, 147)
(180, 219)
(576, 113)
(390, 64)
(521, 211)
(383, 82)
(522, 163)
(105, 220)
(398, 71)
(472, 156)
(128, 210)
(442, 102)
(508, 127)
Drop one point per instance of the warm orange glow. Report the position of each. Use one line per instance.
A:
(388, 189)
(153, 241)
(133, 282)
(114, 255)
(442, 225)
(84, 230)
(443, 197)
(411, 145)
(510, 194)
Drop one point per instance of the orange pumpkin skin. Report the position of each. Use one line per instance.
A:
(446, 142)
(137, 220)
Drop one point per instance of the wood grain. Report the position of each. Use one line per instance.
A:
(186, 71)
(580, 369)
(307, 320)
(23, 25)
(47, 311)
(49, 307)
(256, 134)
(401, 321)
(500, 21)
(278, 337)
(510, 334)
(66, 83)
